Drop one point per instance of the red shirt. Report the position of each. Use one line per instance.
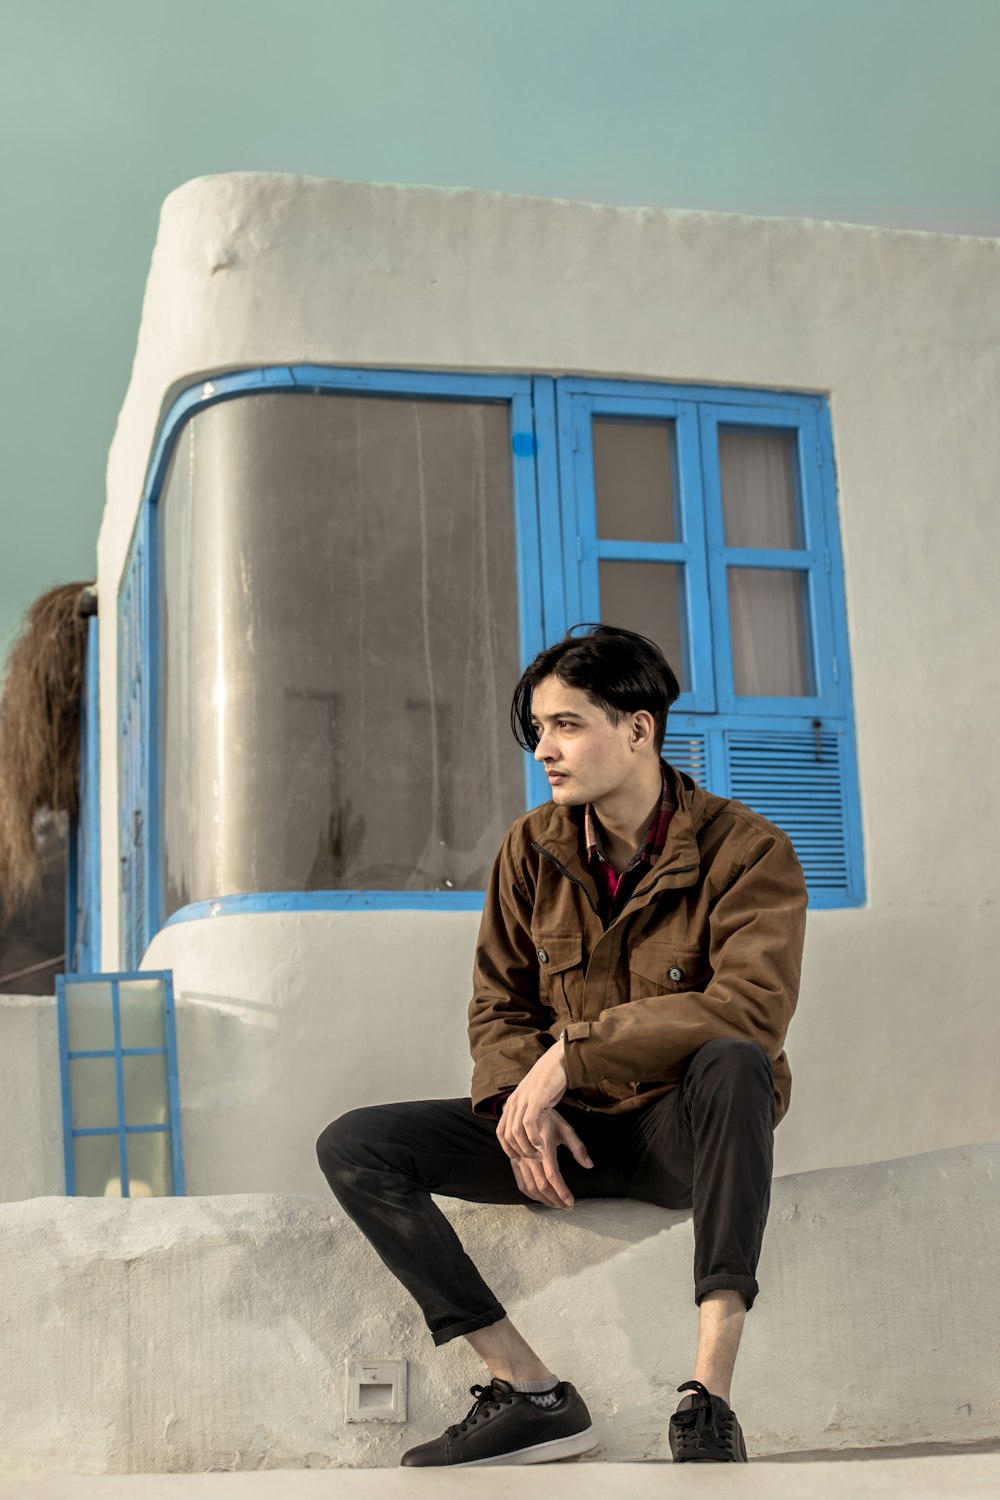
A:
(616, 888)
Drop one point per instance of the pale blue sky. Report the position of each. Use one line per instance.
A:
(872, 111)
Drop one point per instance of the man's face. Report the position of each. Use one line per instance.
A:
(585, 756)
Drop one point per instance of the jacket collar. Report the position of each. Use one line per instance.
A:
(562, 839)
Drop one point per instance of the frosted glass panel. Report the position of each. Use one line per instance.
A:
(340, 639)
(760, 504)
(89, 1018)
(145, 1081)
(634, 480)
(649, 598)
(97, 1166)
(150, 1168)
(93, 1092)
(768, 624)
(141, 1006)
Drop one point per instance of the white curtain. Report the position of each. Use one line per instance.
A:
(767, 606)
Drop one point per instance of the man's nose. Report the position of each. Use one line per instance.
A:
(540, 750)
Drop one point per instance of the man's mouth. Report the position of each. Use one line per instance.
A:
(556, 775)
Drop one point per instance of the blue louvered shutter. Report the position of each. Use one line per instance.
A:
(132, 751)
(687, 752)
(796, 779)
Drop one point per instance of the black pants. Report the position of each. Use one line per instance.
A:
(706, 1145)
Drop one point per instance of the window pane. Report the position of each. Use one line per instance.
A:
(150, 1168)
(340, 642)
(97, 1166)
(90, 1018)
(634, 480)
(141, 1006)
(759, 495)
(93, 1094)
(145, 1080)
(649, 598)
(768, 622)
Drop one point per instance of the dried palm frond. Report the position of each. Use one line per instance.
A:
(40, 730)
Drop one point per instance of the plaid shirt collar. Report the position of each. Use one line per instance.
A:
(654, 843)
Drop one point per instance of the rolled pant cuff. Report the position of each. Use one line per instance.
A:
(454, 1330)
(745, 1284)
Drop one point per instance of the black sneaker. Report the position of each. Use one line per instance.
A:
(507, 1427)
(705, 1430)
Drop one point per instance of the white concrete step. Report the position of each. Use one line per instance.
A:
(972, 1477)
(210, 1334)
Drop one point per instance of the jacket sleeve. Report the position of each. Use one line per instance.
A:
(756, 933)
(508, 1024)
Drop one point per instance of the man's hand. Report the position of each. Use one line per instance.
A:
(539, 1176)
(530, 1131)
(539, 1090)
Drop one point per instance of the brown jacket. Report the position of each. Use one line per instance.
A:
(709, 945)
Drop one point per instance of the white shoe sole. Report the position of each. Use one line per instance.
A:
(539, 1453)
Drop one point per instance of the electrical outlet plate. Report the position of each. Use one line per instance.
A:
(376, 1390)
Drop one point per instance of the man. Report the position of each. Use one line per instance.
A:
(636, 970)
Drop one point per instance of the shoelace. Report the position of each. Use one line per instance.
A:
(489, 1398)
(702, 1421)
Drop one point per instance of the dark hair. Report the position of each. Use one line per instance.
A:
(619, 670)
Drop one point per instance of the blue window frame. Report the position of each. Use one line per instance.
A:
(791, 756)
(83, 863)
(111, 1027)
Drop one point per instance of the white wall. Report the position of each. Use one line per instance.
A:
(894, 1049)
(31, 1129)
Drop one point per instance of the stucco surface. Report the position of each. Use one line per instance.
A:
(967, 1477)
(896, 1045)
(211, 1333)
(30, 1101)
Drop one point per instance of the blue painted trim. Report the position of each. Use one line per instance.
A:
(173, 1085)
(120, 1086)
(777, 558)
(307, 901)
(151, 719)
(83, 866)
(125, 1052)
(114, 1130)
(90, 954)
(668, 552)
(105, 976)
(527, 547)
(555, 620)
(64, 1088)
(605, 392)
(133, 746)
(842, 648)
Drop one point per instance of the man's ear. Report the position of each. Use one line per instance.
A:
(642, 728)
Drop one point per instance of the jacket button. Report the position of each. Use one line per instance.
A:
(543, 956)
(675, 974)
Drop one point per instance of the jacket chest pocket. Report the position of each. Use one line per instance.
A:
(666, 969)
(560, 972)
